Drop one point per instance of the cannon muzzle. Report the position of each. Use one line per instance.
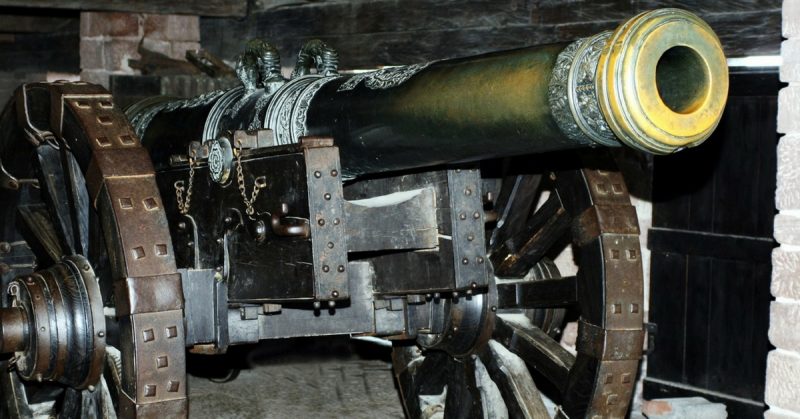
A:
(658, 83)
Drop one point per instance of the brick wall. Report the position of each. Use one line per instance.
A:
(783, 363)
(109, 40)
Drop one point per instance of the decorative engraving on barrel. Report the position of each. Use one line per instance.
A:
(572, 94)
(582, 90)
(300, 111)
(385, 78)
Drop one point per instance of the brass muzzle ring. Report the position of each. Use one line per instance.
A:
(662, 81)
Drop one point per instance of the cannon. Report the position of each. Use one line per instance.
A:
(424, 204)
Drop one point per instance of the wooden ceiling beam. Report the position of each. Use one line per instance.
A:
(227, 8)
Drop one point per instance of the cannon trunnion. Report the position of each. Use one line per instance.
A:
(436, 206)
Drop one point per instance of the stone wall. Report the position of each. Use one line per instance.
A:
(110, 39)
(783, 363)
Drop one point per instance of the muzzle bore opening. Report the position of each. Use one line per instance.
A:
(682, 79)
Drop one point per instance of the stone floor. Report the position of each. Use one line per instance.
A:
(296, 379)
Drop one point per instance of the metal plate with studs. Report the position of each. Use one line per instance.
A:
(469, 247)
(327, 218)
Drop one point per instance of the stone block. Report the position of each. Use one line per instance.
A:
(91, 53)
(787, 194)
(96, 76)
(172, 27)
(115, 24)
(778, 413)
(786, 229)
(789, 109)
(179, 49)
(183, 28)
(790, 54)
(117, 53)
(163, 47)
(785, 273)
(684, 408)
(783, 380)
(791, 18)
(784, 316)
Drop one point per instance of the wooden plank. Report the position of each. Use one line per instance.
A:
(723, 246)
(186, 7)
(15, 23)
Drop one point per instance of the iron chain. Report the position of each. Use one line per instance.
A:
(258, 184)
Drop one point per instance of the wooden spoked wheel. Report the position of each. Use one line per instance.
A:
(516, 354)
(79, 186)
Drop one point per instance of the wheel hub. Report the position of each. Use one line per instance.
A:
(55, 324)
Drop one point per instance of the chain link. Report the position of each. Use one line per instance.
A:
(259, 183)
(183, 206)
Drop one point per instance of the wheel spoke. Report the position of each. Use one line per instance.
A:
(514, 204)
(509, 372)
(40, 234)
(557, 292)
(463, 396)
(523, 250)
(67, 199)
(535, 347)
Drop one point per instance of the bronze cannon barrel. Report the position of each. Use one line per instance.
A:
(658, 83)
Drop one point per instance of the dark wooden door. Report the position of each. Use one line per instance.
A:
(711, 242)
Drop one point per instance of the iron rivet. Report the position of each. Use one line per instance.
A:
(470, 237)
(5, 247)
(494, 308)
(336, 221)
(190, 244)
(321, 221)
(42, 329)
(455, 328)
(437, 295)
(317, 174)
(455, 294)
(465, 261)
(473, 285)
(335, 294)
(479, 259)
(218, 268)
(458, 170)
(476, 215)
(91, 389)
(317, 305)
(220, 240)
(552, 176)
(181, 226)
(468, 192)
(334, 173)
(327, 197)
(331, 304)
(29, 280)
(101, 334)
(325, 268)
(468, 292)
(330, 245)
(462, 216)
(228, 220)
(86, 267)
(340, 268)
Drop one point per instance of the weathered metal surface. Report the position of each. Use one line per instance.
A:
(467, 218)
(327, 218)
(56, 324)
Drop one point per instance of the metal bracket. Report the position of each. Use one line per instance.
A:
(466, 214)
(327, 218)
